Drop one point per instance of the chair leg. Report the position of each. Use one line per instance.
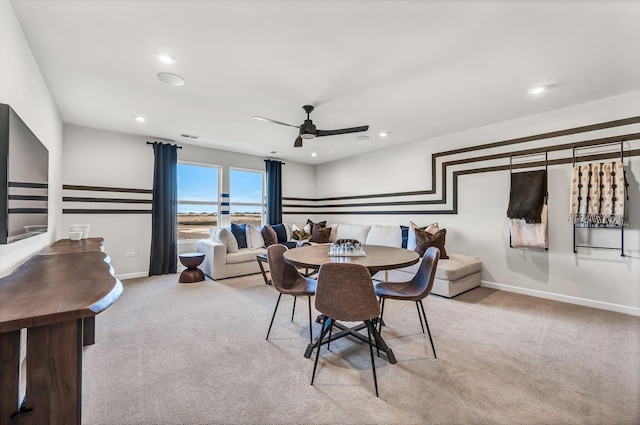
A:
(294, 307)
(370, 329)
(381, 315)
(274, 316)
(325, 320)
(310, 327)
(419, 316)
(428, 331)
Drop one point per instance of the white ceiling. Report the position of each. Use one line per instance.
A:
(418, 69)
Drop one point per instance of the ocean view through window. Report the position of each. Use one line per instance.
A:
(246, 190)
(198, 200)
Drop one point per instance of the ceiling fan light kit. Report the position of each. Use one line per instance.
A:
(308, 129)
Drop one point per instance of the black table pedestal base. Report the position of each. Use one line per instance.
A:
(347, 331)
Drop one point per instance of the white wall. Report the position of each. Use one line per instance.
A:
(102, 158)
(23, 88)
(592, 277)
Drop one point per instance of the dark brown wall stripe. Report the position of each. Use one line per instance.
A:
(106, 200)
(107, 189)
(542, 136)
(85, 211)
(27, 211)
(29, 185)
(92, 199)
(28, 198)
(553, 148)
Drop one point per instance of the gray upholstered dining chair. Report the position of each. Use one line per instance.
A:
(345, 292)
(287, 280)
(416, 289)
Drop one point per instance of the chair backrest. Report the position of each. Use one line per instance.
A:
(345, 292)
(422, 282)
(283, 275)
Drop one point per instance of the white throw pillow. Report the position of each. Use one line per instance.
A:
(306, 228)
(254, 238)
(352, 231)
(385, 236)
(433, 228)
(224, 236)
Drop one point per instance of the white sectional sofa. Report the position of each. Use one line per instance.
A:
(457, 274)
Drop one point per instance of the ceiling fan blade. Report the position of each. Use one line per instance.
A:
(320, 133)
(298, 142)
(273, 121)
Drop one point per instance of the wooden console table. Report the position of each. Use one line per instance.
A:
(50, 295)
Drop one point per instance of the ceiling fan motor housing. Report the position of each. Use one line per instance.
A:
(308, 130)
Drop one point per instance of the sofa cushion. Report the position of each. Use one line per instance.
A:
(224, 236)
(425, 240)
(320, 234)
(281, 231)
(411, 235)
(269, 235)
(405, 235)
(244, 255)
(254, 237)
(456, 267)
(352, 231)
(311, 225)
(385, 236)
(240, 232)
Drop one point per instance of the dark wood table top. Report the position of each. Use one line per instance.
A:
(377, 258)
(69, 280)
(66, 246)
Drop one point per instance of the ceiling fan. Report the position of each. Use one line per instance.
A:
(308, 129)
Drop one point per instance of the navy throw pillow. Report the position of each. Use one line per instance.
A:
(240, 232)
(281, 231)
(405, 235)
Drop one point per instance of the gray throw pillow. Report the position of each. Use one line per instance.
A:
(224, 236)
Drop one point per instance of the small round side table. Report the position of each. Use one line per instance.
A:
(191, 260)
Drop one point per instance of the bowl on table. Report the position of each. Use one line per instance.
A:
(75, 236)
(83, 228)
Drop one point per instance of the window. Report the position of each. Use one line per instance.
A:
(246, 196)
(198, 200)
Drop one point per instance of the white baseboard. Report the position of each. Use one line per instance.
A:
(564, 298)
(132, 275)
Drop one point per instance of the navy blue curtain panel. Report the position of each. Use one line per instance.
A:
(164, 214)
(274, 191)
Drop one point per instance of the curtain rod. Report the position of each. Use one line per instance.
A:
(269, 159)
(155, 143)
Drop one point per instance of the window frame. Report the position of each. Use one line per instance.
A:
(220, 170)
(262, 205)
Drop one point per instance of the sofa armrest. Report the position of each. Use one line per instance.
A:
(215, 258)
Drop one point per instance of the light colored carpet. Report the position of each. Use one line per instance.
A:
(170, 353)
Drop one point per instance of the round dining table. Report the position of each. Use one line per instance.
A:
(375, 259)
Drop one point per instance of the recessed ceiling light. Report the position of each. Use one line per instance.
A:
(362, 137)
(383, 134)
(140, 119)
(314, 154)
(163, 57)
(171, 79)
(275, 153)
(537, 89)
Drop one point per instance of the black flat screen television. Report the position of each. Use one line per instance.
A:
(24, 174)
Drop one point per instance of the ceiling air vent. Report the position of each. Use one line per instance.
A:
(189, 136)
